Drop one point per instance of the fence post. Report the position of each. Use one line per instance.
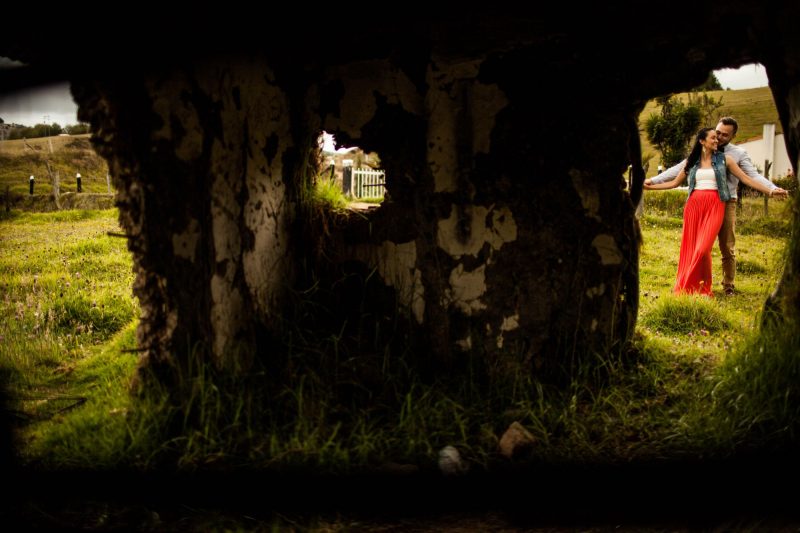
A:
(78, 178)
(347, 177)
(30, 185)
(108, 182)
(57, 189)
(768, 135)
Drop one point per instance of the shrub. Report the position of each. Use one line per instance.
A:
(786, 182)
(668, 203)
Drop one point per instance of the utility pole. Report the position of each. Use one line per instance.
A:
(47, 132)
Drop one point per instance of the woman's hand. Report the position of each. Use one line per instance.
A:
(777, 192)
(677, 180)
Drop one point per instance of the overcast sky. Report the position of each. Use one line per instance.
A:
(56, 103)
(745, 77)
(30, 107)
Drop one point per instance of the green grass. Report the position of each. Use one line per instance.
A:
(65, 296)
(349, 399)
(759, 250)
(92, 426)
(686, 315)
(329, 195)
(753, 402)
(71, 155)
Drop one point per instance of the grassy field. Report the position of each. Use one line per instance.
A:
(20, 159)
(65, 310)
(68, 315)
(752, 108)
(760, 244)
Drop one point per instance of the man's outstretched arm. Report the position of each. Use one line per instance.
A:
(668, 175)
(752, 172)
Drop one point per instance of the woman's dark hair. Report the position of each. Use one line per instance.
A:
(694, 155)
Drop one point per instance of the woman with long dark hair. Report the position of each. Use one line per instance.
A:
(702, 216)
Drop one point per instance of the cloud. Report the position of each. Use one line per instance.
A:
(33, 105)
(7, 62)
(745, 77)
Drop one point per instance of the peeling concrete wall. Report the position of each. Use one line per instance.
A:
(507, 234)
(210, 174)
(396, 265)
(461, 113)
(499, 244)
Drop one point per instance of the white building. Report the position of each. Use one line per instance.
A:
(757, 149)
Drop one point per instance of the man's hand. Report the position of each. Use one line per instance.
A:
(648, 182)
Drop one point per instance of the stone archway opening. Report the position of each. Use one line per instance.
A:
(711, 331)
(357, 173)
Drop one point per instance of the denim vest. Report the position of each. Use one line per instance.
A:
(720, 172)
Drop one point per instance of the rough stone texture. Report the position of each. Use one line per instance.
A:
(516, 441)
(509, 223)
(508, 235)
(782, 62)
(203, 199)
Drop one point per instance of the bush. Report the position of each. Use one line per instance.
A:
(668, 203)
(786, 182)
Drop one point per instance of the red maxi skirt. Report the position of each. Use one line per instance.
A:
(702, 219)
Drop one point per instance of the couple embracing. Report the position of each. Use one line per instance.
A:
(713, 169)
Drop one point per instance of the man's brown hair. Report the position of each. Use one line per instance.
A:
(730, 121)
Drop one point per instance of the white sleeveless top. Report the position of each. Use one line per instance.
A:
(705, 180)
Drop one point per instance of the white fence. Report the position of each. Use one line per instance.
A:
(368, 183)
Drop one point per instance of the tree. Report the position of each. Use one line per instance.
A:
(708, 106)
(711, 84)
(672, 130)
(77, 129)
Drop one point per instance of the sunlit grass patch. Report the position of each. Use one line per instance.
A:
(329, 194)
(776, 227)
(91, 427)
(686, 314)
(754, 397)
(668, 203)
(65, 291)
(745, 266)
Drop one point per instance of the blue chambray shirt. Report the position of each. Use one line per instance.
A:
(720, 172)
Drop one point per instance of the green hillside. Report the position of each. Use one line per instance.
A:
(20, 159)
(752, 108)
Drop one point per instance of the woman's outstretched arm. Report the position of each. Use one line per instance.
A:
(667, 184)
